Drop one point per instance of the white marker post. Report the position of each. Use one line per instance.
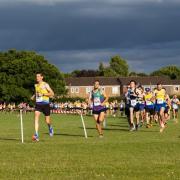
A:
(22, 135)
(82, 119)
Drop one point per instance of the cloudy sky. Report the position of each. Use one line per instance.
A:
(78, 34)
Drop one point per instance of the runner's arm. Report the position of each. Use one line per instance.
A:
(105, 100)
(50, 91)
(33, 97)
(90, 98)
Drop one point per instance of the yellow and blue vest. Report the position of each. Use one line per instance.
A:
(41, 89)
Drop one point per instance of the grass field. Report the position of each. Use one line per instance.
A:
(121, 154)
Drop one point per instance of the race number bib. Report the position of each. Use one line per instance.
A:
(133, 102)
(160, 101)
(148, 103)
(97, 101)
(175, 106)
(39, 98)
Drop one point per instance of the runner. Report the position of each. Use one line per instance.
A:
(99, 99)
(131, 96)
(127, 105)
(140, 106)
(149, 107)
(175, 102)
(160, 105)
(115, 108)
(42, 94)
(167, 108)
(122, 108)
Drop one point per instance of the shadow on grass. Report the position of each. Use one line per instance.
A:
(66, 134)
(109, 129)
(9, 139)
(119, 129)
(148, 130)
(118, 125)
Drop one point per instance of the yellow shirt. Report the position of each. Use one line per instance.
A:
(41, 89)
(148, 98)
(160, 96)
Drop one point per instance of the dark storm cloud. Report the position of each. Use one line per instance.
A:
(87, 25)
(75, 27)
(142, 59)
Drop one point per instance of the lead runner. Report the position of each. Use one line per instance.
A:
(98, 98)
(42, 94)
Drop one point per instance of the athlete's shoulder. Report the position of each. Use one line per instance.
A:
(45, 84)
(155, 90)
(101, 91)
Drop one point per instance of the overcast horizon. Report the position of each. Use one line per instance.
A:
(78, 34)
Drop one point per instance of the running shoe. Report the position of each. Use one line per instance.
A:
(132, 129)
(162, 129)
(148, 126)
(137, 127)
(101, 136)
(51, 131)
(35, 137)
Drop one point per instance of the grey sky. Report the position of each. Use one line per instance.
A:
(78, 34)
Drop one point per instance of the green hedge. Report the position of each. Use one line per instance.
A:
(70, 99)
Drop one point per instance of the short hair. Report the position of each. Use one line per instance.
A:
(40, 73)
(133, 81)
(140, 86)
(159, 83)
(96, 81)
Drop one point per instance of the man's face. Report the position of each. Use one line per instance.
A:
(148, 92)
(159, 86)
(39, 78)
(132, 85)
(96, 85)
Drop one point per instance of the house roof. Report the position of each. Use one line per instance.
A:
(89, 81)
(175, 82)
(148, 80)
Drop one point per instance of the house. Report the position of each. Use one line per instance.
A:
(82, 86)
(116, 86)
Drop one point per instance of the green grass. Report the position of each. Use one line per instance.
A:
(121, 154)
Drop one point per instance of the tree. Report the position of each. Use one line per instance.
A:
(172, 71)
(132, 73)
(108, 72)
(119, 66)
(101, 69)
(85, 73)
(17, 75)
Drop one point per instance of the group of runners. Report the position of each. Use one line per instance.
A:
(147, 105)
(142, 105)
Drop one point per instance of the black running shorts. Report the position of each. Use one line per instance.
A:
(44, 108)
(99, 112)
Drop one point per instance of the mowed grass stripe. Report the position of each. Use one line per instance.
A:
(121, 154)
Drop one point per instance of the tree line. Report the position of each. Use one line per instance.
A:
(17, 75)
(119, 67)
(18, 70)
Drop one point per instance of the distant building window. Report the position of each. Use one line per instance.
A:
(88, 90)
(115, 90)
(176, 88)
(72, 90)
(76, 90)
